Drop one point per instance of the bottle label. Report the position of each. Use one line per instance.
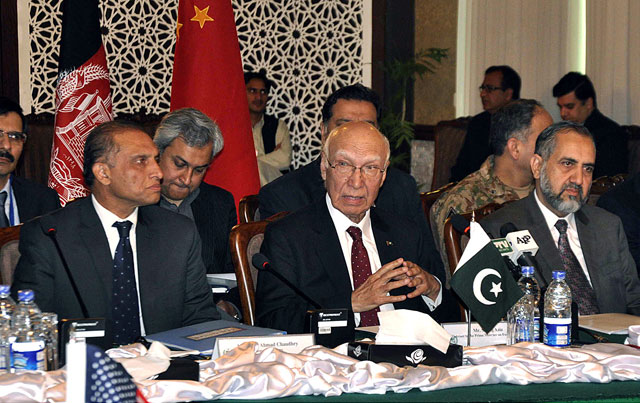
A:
(27, 355)
(557, 332)
(536, 329)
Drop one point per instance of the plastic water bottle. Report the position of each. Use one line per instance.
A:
(27, 348)
(7, 306)
(529, 285)
(520, 320)
(557, 312)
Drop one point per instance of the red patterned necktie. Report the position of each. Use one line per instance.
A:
(581, 290)
(361, 269)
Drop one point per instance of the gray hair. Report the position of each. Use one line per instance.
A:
(512, 121)
(193, 126)
(546, 142)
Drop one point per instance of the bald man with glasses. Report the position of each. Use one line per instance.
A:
(344, 252)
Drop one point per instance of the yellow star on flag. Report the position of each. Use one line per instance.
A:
(201, 15)
(178, 30)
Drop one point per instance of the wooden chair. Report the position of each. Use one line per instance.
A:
(454, 243)
(245, 240)
(248, 209)
(602, 185)
(9, 254)
(428, 198)
(449, 138)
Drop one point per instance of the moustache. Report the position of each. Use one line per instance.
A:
(572, 186)
(6, 154)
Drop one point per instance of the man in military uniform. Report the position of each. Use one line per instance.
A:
(505, 175)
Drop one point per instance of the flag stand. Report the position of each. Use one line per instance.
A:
(468, 328)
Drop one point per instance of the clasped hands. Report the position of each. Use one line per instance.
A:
(398, 273)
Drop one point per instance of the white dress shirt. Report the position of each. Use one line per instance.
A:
(572, 233)
(10, 204)
(341, 222)
(107, 218)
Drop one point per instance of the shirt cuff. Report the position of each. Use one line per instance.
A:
(431, 304)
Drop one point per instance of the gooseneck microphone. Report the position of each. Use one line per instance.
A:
(261, 262)
(51, 232)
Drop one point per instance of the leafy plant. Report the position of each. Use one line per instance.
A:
(394, 124)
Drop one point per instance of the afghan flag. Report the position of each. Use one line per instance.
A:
(483, 281)
(83, 96)
(208, 75)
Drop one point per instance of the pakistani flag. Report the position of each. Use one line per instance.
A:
(483, 280)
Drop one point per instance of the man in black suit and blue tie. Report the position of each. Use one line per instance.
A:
(135, 264)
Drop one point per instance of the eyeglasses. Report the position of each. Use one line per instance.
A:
(345, 169)
(13, 136)
(489, 88)
(254, 91)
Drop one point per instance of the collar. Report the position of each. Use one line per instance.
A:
(164, 202)
(259, 123)
(107, 218)
(551, 218)
(342, 222)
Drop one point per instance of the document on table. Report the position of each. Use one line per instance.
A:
(609, 323)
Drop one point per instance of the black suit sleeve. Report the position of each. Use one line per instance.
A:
(629, 217)
(232, 219)
(278, 306)
(270, 201)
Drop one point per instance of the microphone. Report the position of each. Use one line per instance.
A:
(524, 249)
(51, 233)
(463, 225)
(261, 262)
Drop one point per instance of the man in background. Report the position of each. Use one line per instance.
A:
(506, 174)
(501, 84)
(20, 199)
(270, 135)
(576, 99)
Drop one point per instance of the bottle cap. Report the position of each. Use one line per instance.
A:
(558, 274)
(25, 295)
(528, 270)
(5, 289)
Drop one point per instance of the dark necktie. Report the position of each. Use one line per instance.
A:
(4, 222)
(361, 269)
(581, 290)
(124, 303)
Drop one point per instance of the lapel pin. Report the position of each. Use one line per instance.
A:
(389, 243)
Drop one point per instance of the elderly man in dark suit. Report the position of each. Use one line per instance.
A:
(133, 263)
(20, 199)
(303, 186)
(587, 242)
(343, 252)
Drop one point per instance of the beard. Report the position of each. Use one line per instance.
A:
(568, 206)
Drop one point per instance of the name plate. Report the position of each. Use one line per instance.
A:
(459, 330)
(289, 343)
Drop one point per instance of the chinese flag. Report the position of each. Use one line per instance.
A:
(207, 75)
(83, 95)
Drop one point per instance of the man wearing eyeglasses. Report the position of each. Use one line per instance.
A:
(21, 199)
(341, 250)
(501, 85)
(270, 135)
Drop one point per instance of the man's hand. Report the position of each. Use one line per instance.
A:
(424, 282)
(373, 292)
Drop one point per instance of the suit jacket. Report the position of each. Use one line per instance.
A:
(611, 145)
(214, 212)
(33, 199)
(624, 201)
(172, 284)
(611, 268)
(475, 148)
(399, 194)
(305, 248)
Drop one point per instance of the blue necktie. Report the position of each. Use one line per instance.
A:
(124, 301)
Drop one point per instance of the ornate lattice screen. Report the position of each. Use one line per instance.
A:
(308, 48)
